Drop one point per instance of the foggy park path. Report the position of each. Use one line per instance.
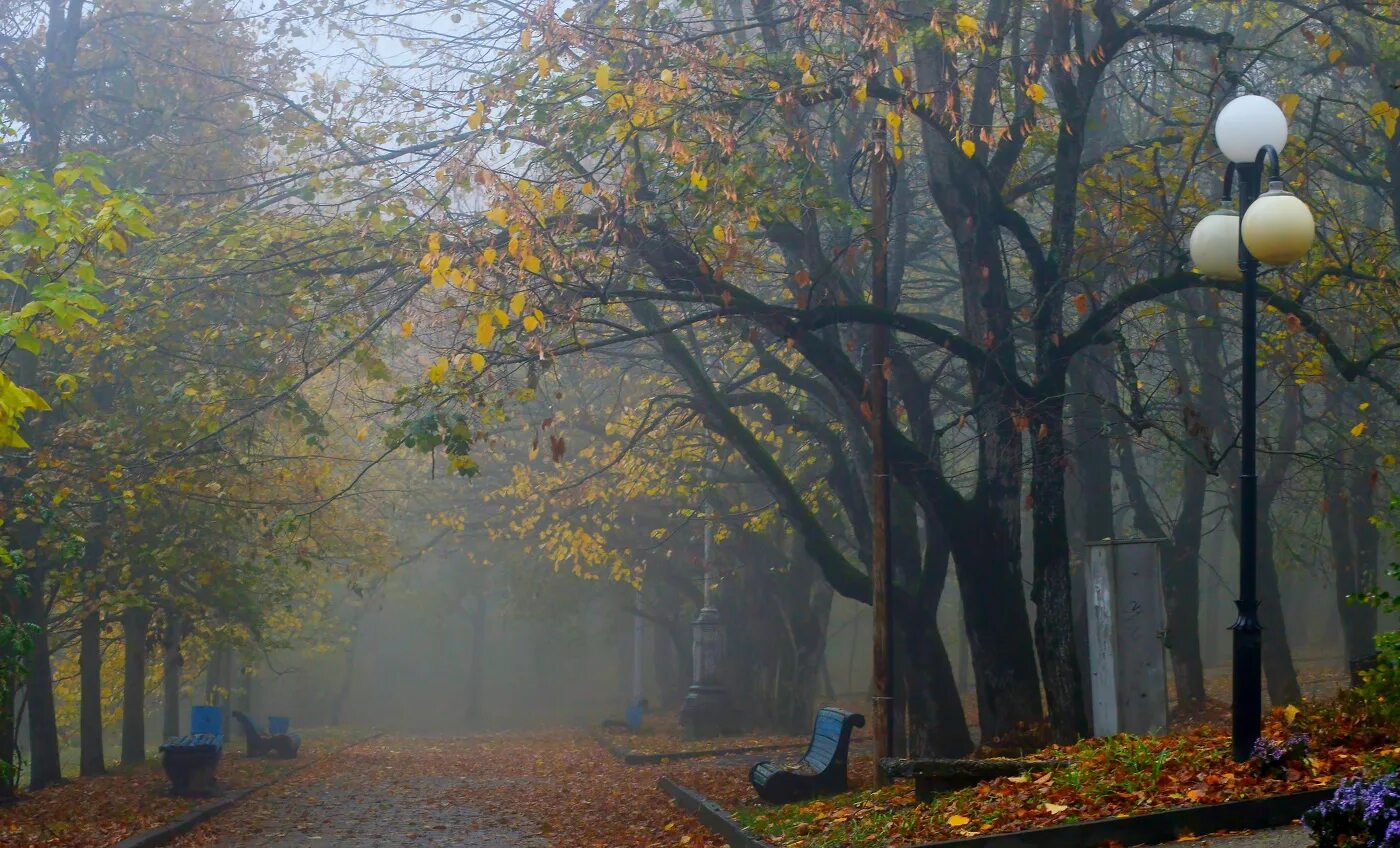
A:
(525, 789)
(380, 793)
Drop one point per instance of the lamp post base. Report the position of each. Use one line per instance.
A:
(1247, 707)
(707, 713)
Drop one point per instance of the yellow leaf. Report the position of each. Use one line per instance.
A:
(485, 329)
(958, 821)
(969, 148)
(478, 362)
(1036, 92)
(699, 180)
(894, 120)
(802, 61)
(531, 264)
(1055, 809)
(498, 216)
(1288, 103)
(861, 93)
(530, 323)
(406, 328)
(476, 117)
(1365, 405)
(437, 371)
(544, 66)
(718, 232)
(525, 40)
(489, 256)
(1290, 713)
(362, 433)
(808, 79)
(517, 303)
(501, 318)
(1358, 430)
(753, 221)
(967, 25)
(773, 85)
(898, 75)
(603, 78)
(1334, 55)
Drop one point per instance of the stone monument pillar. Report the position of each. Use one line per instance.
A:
(707, 711)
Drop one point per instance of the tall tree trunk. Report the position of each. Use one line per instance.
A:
(347, 680)
(476, 673)
(1350, 483)
(172, 669)
(937, 724)
(1054, 620)
(1282, 677)
(135, 621)
(998, 630)
(91, 757)
(9, 693)
(44, 767)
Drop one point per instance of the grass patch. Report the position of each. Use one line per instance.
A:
(1115, 776)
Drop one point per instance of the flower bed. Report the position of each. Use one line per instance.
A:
(1103, 778)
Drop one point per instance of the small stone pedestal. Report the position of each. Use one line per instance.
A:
(707, 711)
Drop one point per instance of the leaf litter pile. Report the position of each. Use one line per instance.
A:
(99, 811)
(1099, 778)
(556, 785)
(664, 736)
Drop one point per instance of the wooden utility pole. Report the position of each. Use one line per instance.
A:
(881, 576)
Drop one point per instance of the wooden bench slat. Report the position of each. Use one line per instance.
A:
(825, 757)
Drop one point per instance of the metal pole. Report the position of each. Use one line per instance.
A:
(637, 632)
(881, 576)
(1247, 707)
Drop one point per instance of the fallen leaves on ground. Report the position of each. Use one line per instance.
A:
(95, 812)
(664, 736)
(1114, 776)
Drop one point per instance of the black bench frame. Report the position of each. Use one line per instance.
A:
(280, 746)
(822, 768)
(191, 762)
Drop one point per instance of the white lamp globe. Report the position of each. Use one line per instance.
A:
(1278, 228)
(1215, 245)
(1246, 124)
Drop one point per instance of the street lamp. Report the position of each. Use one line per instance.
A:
(1277, 229)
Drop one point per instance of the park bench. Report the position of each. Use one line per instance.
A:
(191, 761)
(932, 776)
(277, 742)
(821, 771)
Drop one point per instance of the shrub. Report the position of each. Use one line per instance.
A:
(1360, 814)
(1274, 759)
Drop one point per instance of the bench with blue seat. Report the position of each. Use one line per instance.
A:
(191, 761)
(278, 742)
(821, 771)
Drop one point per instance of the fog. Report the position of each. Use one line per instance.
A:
(430, 367)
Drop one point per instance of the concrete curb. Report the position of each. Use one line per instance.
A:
(1145, 829)
(715, 818)
(179, 826)
(634, 758)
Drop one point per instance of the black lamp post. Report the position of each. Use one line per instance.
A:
(1274, 228)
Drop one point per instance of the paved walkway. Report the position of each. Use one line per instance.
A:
(372, 796)
(1283, 837)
